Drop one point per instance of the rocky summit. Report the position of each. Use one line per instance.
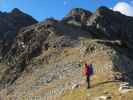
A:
(10, 24)
(41, 59)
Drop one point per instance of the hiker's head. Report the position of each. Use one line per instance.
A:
(85, 65)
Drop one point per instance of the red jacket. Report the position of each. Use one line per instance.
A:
(85, 70)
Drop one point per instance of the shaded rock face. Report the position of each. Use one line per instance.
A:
(10, 23)
(13, 21)
(102, 23)
(112, 24)
(21, 19)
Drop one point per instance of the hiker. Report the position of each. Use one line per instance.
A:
(87, 72)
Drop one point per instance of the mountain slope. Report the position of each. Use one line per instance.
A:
(45, 56)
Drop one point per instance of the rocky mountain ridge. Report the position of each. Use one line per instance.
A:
(10, 24)
(52, 41)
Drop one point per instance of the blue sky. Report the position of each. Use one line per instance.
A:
(41, 9)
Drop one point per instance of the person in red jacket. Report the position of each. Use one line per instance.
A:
(87, 72)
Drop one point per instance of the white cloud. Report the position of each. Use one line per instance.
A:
(124, 8)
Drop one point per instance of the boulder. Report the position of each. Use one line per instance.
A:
(103, 98)
(74, 86)
(125, 87)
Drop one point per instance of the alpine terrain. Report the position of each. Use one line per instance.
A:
(41, 60)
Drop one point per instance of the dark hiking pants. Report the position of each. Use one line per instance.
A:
(88, 81)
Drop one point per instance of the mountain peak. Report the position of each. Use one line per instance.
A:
(16, 11)
(103, 10)
(77, 16)
(79, 11)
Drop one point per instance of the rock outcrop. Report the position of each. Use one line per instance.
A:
(112, 24)
(10, 23)
(77, 17)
